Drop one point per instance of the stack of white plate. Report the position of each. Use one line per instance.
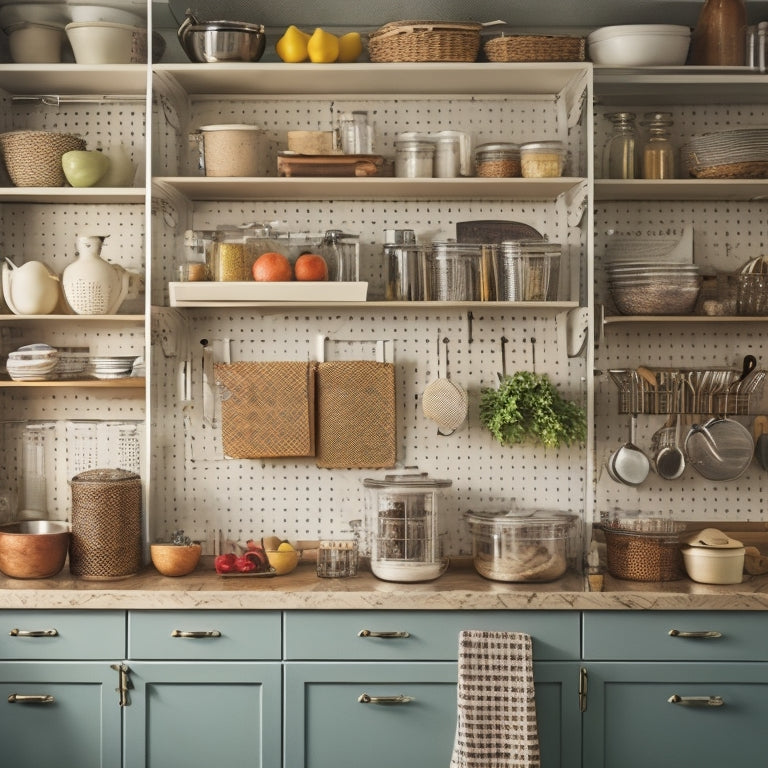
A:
(741, 153)
(111, 367)
(653, 287)
(73, 362)
(34, 362)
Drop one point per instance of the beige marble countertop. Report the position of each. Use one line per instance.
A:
(461, 588)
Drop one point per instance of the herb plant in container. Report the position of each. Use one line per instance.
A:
(177, 558)
(526, 407)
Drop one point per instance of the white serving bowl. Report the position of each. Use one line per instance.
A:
(35, 43)
(106, 42)
(81, 13)
(710, 565)
(640, 45)
(38, 13)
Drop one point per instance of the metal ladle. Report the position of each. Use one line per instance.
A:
(629, 464)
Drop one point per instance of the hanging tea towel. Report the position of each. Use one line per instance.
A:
(496, 718)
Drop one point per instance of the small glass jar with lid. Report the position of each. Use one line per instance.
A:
(195, 265)
(497, 160)
(414, 158)
(620, 153)
(542, 159)
(658, 155)
(232, 257)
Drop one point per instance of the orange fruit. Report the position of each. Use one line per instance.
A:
(272, 267)
(311, 266)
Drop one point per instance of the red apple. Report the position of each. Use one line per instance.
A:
(311, 266)
(272, 267)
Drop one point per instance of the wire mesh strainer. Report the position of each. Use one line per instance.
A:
(443, 401)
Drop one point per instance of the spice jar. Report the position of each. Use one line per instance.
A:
(658, 155)
(497, 160)
(414, 158)
(620, 155)
(542, 159)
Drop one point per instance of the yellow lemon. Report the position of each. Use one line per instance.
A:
(323, 47)
(285, 546)
(292, 46)
(350, 46)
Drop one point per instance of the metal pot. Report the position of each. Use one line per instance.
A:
(216, 41)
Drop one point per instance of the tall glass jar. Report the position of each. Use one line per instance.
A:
(719, 38)
(620, 155)
(658, 155)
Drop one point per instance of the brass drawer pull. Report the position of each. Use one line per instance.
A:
(34, 633)
(203, 633)
(705, 633)
(696, 701)
(365, 698)
(386, 635)
(20, 698)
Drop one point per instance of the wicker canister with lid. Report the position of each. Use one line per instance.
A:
(106, 524)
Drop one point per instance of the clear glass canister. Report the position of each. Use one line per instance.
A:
(342, 254)
(542, 159)
(499, 160)
(528, 270)
(405, 267)
(620, 153)
(459, 272)
(658, 154)
(414, 159)
(232, 256)
(404, 526)
(198, 248)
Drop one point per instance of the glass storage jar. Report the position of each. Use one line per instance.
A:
(542, 159)
(232, 257)
(497, 160)
(195, 266)
(528, 270)
(658, 154)
(620, 154)
(459, 272)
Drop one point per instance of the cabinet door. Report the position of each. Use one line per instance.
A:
(72, 717)
(203, 714)
(630, 721)
(326, 724)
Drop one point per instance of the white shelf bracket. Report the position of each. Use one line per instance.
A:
(576, 98)
(575, 202)
(576, 327)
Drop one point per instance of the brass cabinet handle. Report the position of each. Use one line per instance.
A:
(202, 633)
(386, 635)
(696, 701)
(703, 634)
(20, 698)
(34, 633)
(365, 698)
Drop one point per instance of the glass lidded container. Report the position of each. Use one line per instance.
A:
(498, 160)
(621, 159)
(403, 526)
(521, 545)
(528, 270)
(542, 159)
(460, 272)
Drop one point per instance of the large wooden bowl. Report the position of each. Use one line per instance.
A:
(33, 549)
(175, 560)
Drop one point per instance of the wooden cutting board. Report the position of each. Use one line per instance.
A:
(289, 164)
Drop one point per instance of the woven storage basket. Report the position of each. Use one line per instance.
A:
(643, 556)
(33, 158)
(535, 48)
(425, 41)
(106, 524)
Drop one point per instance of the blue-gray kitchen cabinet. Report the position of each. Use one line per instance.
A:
(383, 685)
(58, 686)
(669, 688)
(206, 689)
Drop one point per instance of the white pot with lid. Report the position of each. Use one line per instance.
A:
(712, 557)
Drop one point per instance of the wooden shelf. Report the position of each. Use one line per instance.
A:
(124, 80)
(126, 383)
(412, 306)
(74, 319)
(680, 319)
(681, 189)
(79, 195)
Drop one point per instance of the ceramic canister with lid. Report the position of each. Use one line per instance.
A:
(106, 524)
(403, 525)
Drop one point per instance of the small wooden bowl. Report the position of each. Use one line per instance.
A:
(283, 562)
(175, 560)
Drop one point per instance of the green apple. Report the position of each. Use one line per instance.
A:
(83, 168)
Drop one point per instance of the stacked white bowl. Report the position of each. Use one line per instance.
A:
(34, 362)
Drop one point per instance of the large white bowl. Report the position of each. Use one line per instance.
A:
(640, 45)
(105, 42)
(714, 566)
(39, 13)
(80, 13)
(34, 43)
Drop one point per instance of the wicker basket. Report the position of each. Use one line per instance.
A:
(106, 524)
(425, 41)
(640, 556)
(535, 48)
(33, 158)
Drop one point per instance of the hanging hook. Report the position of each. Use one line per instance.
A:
(504, 341)
(470, 320)
(533, 354)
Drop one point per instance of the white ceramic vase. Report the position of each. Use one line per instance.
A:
(93, 286)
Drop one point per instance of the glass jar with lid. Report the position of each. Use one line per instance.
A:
(231, 255)
(198, 253)
(542, 159)
(620, 154)
(497, 160)
(658, 154)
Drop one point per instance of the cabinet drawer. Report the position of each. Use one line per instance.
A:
(676, 636)
(420, 635)
(75, 635)
(218, 635)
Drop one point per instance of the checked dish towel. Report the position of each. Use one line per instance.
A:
(496, 709)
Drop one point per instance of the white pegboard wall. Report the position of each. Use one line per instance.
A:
(295, 498)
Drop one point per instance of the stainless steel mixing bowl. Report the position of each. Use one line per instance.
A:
(216, 41)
